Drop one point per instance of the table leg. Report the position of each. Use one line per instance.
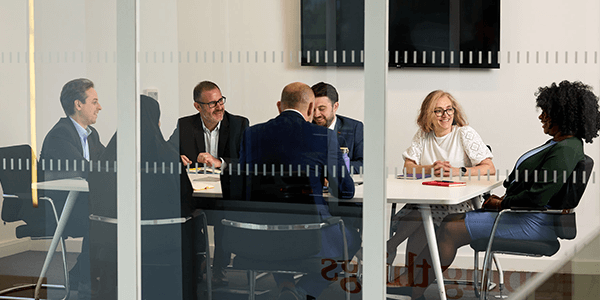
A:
(433, 248)
(60, 228)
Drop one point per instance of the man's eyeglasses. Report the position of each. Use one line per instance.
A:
(212, 104)
(440, 112)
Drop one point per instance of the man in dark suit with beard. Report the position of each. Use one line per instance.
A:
(350, 131)
(290, 139)
(211, 137)
(66, 152)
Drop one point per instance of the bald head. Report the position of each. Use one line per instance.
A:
(298, 96)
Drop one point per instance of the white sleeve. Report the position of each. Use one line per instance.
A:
(415, 151)
(474, 146)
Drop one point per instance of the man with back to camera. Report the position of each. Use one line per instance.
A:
(74, 141)
(349, 130)
(211, 137)
(291, 139)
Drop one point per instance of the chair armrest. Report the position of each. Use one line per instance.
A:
(332, 220)
(528, 208)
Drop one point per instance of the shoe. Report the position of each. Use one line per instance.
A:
(288, 294)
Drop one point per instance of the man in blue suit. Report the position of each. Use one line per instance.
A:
(291, 139)
(350, 131)
(67, 150)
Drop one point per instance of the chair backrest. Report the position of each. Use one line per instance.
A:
(15, 169)
(15, 176)
(272, 200)
(572, 191)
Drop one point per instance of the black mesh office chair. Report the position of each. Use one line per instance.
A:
(564, 224)
(16, 165)
(277, 228)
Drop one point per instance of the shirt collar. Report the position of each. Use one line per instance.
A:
(332, 126)
(83, 132)
(216, 128)
(297, 111)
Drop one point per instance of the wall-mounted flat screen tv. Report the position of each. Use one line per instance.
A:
(422, 33)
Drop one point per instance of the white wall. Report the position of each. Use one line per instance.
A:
(227, 41)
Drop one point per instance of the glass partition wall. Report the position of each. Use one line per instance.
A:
(60, 72)
(227, 84)
(499, 104)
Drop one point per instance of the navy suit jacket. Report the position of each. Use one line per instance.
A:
(289, 140)
(62, 142)
(188, 137)
(351, 133)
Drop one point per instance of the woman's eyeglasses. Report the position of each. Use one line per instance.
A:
(440, 112)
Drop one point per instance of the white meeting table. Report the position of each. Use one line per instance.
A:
(398, 191)
(414, 192)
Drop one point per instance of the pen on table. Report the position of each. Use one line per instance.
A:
(206, 188)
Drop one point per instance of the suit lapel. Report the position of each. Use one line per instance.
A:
(199, 134)
(338, 125)
(74, 134)
(223, 135)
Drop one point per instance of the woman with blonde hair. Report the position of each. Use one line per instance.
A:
(444, 144)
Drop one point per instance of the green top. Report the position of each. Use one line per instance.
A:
(529, 192)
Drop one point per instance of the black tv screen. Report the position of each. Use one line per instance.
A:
(422, 33)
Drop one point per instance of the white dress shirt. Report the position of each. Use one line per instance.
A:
(211, 142)
(83, 136)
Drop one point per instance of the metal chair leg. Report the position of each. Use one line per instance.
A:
(251, 284)
(207, 254)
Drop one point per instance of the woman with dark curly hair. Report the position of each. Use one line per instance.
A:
(569, 114)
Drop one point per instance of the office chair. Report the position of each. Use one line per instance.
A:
(278, 228)
(564, 224)
(16, 177)
(165, 232)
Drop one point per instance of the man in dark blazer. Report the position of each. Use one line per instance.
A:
(73, 143)
(211, 137)
(291, 139)
(350, 131)
(193, 133)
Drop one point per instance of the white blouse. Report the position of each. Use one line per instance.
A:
(462, 147)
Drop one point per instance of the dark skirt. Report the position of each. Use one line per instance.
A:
(520, 226)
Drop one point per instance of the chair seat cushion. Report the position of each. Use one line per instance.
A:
(546, 248)
(34, 231)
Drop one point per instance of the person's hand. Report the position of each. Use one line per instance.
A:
(444, 167)
(493, 203)
(209, 160)
(186, 161)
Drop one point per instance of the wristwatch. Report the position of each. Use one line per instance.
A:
(463, 171)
